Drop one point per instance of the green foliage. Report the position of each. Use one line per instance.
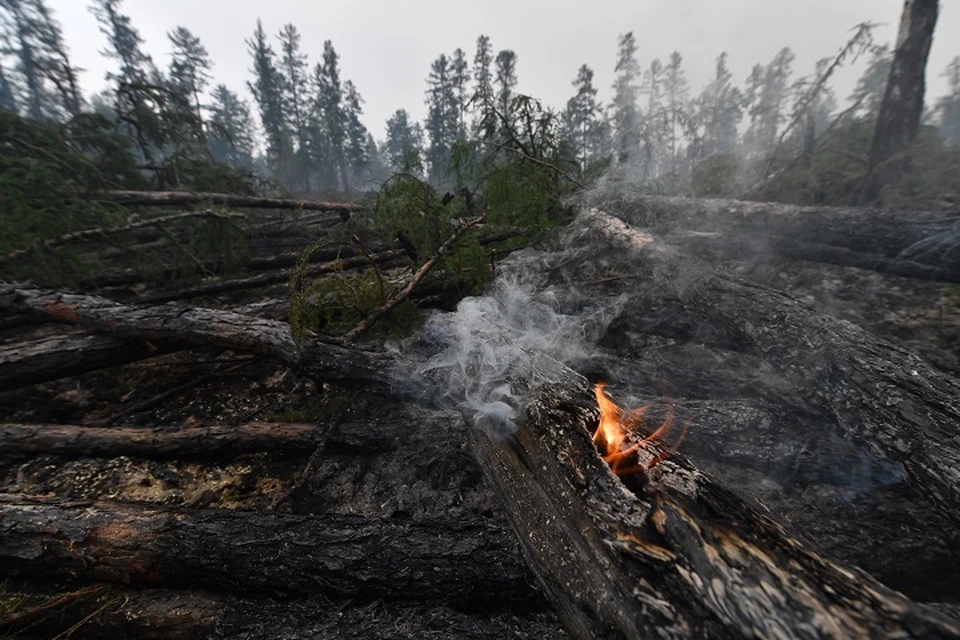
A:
(334, 303)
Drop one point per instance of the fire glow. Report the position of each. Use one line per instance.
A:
(616, 435)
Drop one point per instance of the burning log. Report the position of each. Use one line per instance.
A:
(181, 198)
(871, 390)
(912, 244)
(673, 556)
(157, 442)
(261, 552)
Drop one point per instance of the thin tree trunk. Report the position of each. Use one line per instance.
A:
(178, 198)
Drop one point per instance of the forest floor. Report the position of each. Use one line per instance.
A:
(409, 463)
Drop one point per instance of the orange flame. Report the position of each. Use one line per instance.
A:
(616, 426)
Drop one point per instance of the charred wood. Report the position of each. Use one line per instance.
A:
(248, 552)
(667, 552)
(913, 244)
(50, 358)
(195, 326)
(179, 198)
(871, 390)
(157, 442)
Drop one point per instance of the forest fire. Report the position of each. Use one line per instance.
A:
(617, 426)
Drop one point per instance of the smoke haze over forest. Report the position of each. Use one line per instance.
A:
(386, 48)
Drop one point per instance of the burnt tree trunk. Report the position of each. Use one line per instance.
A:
(157, 442)
(869, 389)
(899, 119)
(673, 556)
(916, 244)
(178, 198)
(249, 552)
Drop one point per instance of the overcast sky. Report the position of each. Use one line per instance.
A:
(386, 46)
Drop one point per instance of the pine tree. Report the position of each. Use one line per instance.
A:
(483, 95)
(675, 90)
(653, 132)
(441, 123)
(330, 105)
(722, 110)
(295, 97)
(231, 129)
(768, 109)
(20, 24)
(625, 114)
(404, 144)
(136, 67)
(460, 79)
(189, 67)
(357, 149)
(948, 107)
(267, 90)
(582, 118)
(506, 80)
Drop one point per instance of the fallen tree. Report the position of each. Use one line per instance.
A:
(157, 442)
(180, 198)
(919, 244)
(869, 389)
(194, 326)
(676, 556)
(265, 552)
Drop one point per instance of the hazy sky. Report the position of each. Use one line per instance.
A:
(386, 46)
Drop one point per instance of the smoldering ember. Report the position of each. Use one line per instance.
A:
(676, 362)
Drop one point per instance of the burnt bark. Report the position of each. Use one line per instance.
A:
(899, 118)
(157, 442)
(179, 198)
(26, 363)
(915, 244)
(676, 555)
(254, 552)
(870, 390)
(187, 327)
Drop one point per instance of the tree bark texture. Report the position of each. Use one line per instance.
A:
(157, 442)
(667, 553)
(256, 552)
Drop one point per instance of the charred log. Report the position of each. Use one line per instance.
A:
(157, 442)
(180, 198)
(674, 556)
(26, 363)
(250, 552)
(871, 390)
(916, 244)
(194, 326)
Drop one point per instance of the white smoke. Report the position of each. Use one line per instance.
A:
(465, 360)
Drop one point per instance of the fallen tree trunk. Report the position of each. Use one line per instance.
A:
(157, 442)
(194, 326)
(675, 557)
(921, 244)
(179, 198)
(26, 363)
(870, 390)
(266, 552)
(271, 277)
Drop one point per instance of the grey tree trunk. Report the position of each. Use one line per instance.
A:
(899, 119)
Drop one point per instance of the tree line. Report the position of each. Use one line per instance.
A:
(309, 135)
